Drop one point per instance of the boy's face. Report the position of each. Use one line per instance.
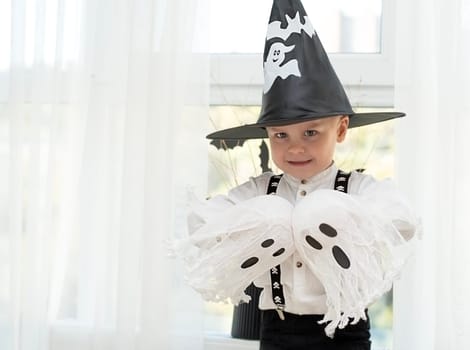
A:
(305, 149)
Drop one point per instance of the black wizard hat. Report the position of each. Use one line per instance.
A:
(300, 83)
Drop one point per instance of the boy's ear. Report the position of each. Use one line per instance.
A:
(342, 130)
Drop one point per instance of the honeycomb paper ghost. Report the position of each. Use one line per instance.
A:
(233, 248)
(355, 252)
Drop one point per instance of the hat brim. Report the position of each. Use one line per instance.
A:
(258, 130)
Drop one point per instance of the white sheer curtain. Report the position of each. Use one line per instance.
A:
(433, 86)
(103, 109)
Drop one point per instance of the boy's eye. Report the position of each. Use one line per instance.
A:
(310, 132)
(280, 135)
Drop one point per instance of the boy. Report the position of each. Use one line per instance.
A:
(329, 243)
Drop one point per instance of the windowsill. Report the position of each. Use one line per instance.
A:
(63, 336)
(218, 341)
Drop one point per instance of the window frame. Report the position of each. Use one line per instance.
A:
(237, 79)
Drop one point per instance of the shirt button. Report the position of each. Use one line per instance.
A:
(303, 193)
(303, 182)
(298, 264)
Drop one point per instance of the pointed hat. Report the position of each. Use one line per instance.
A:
(300, 83)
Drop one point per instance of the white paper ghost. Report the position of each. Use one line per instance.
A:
(353, 249)
(236, 246)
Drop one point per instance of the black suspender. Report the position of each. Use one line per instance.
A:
(276, 286)
(342, 181)
(341, 184)
(273, 183)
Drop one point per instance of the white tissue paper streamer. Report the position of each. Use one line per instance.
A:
(233, 244)
(371, 235)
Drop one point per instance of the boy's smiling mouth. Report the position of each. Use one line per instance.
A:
(299, 162)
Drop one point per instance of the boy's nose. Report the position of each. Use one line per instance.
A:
(296, 148)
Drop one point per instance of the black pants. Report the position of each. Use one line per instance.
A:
(304, 333)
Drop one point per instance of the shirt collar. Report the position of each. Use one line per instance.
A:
(321, 177)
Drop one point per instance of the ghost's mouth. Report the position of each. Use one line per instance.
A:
(275, 59)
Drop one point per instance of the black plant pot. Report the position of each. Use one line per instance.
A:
(246, 317)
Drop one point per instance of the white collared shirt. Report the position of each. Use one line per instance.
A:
(224, 230)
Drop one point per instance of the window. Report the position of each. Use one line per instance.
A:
(364, 67)
(343, 25)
